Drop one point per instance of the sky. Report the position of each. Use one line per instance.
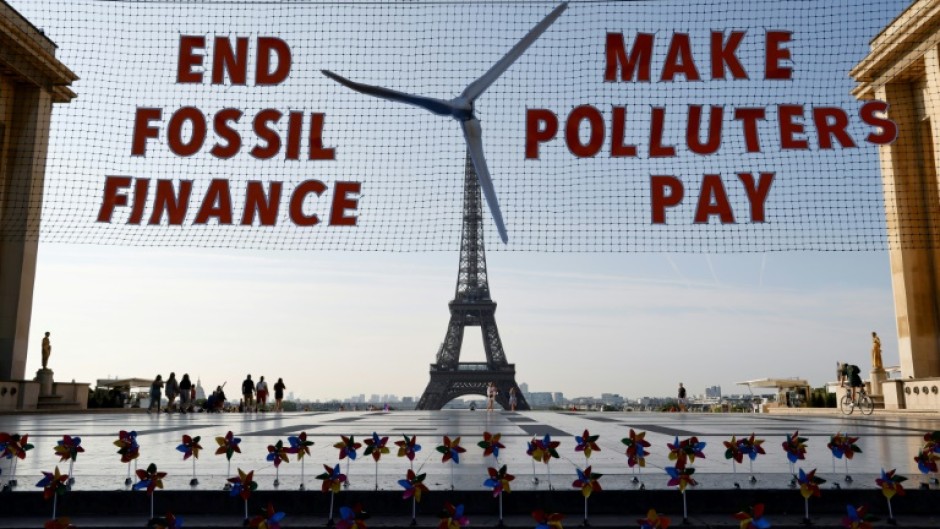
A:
(337, 323)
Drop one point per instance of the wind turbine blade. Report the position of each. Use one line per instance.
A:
(437, 106)
(473, 133)
(480, 85)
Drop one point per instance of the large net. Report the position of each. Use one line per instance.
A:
(627, 126)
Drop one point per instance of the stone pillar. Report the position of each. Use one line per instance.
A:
(878, 377)
(44, 377)
(27, 136)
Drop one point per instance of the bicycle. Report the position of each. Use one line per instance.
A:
(862, 401)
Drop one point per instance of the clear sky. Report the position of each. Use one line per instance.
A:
(335, 324)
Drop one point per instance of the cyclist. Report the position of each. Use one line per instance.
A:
(850, 373)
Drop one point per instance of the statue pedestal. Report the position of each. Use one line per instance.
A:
(878, 376)
(44, 377)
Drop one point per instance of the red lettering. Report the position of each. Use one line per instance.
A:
(712, 188)
(112, 196)
(831, 121)
(263, 73)
(679, 59)
(870, 115)
(225, 59)
(595, 126)
(789, 127)
(295, 121)
(757, 194)
(296, 208)
(657, 149)
(540, 126)
(617, 147)
(266, 133)
(660, 200)
(317, 151)
(217, 203)
(748, 118)
(175, 131)
(723, 54)
(166, 199)
(774, 54)
(188, 59)
(143, 130)
(638, 63)
(141, 186)
(256, 203)
(342, 202)
(713, 142)
(227, 133)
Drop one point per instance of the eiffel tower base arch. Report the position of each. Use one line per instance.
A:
(470, 379)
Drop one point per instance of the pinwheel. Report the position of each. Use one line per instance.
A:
(451, 450)
(653, 520)
(14, 447)
(128, 449)
(149, 479)
(190, 447)
(414, 486)
(544, 520)
(588, 483)
(736, 455)
(268, 519)
(408, 447)
(333, 481)
(809, 486)
(452, 517)
(68, 449)
(843, 447)
(491, 445)
(682, 478)
(752, 518)
(929, 455)
(890, 484)
(53, 485)
(795, 447)
(228, 445)
(752, 448)
(300, 446)
(685, 451)
(636, 451)
(243, 485)
(351, 518)
(167, 521)
(59, 523)
(499, 482)
(277, 454)
(586, 443)
(347, 450)
(376, 447)
(545, 450)
(532, 450)
(857, 518)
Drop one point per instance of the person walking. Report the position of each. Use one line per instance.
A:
(683, 402)
(279, 388)
(261, 391)
(186, 393)
(512, 398)
(156, 394)
(490, 396)
(172, 391)
(248, 394)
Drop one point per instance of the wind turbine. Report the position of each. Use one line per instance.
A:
(461, 108)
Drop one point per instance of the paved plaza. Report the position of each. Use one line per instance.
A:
(886, 441)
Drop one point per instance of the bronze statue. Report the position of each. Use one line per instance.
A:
(876, 364)
(46, 350)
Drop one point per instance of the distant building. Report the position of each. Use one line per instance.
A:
(540, 399)
(559, 398)
(200, 392)
(524, 388)
(713, 392)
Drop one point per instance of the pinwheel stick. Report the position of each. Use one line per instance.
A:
(194, 469)
(685, 510)
(500, 524)
(55, 497)
(228, 472)
(847, 476)
(806, 511)
(301, 474)
(246, 508)
(586, 512)
(127, 481)
(549, 466)
(71, 476)
(750, 463)
(452, 476)
(376, 474)
(329, 523)
(346, 483)
(535, 477)
(151, 506)
(414, 508)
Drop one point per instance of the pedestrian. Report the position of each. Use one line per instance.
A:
(156, 394)
(261, 390)
(279, 388)
(186, 393)
(512, 398)
(172, 391)
(850, 373)
(490, 396)
(683, 402)
(248, 394)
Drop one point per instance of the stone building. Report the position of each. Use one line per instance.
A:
(31, 81)
(903, 69)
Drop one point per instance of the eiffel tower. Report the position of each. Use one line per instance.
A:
(471, 307)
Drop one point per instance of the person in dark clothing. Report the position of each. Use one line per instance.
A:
(683, 402)
(279, 388)
(186, 394)
(849, 372)
(248, 394)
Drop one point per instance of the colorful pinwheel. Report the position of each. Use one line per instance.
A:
(347, 447)
(408, 447)
(733, 451)
(300, 446)
(413, 485)
(53, 484)
(546, 449)
(190, 447)
(685, 451)
(890, 484)
(586, 443)
(587, 482)
(752, 518)
(751, 447)
(15, 445)
(268, 519)
(167, 521)
(930, 453)
(352, 518)
(452, 517)
(277, 454)
(375, 447)
(332, 479)
(843, 445)
(544, 520)
(499, 480)
(491, 445)
(636, 448)
(795, 447)
(681, 477)
(243, 485)
(451, 451)
(228, 445)
(59, 523)
(857, 518)
(68, 448)
(809, 483)
(128, 449)
(653, 521)
(149, 479)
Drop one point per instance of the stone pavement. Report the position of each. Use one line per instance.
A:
(886, 441)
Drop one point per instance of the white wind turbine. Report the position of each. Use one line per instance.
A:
(461, 108)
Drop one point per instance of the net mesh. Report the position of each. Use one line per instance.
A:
(389, 175)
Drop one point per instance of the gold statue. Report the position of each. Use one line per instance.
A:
(876, 353)
(46, 350)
